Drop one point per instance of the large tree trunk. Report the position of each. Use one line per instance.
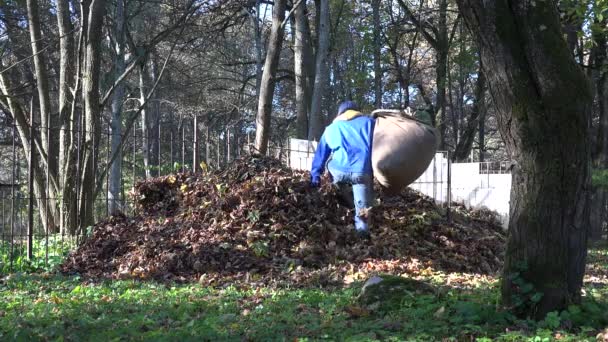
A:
(275, 42)
(48, 123)
(600, 197)
(67, 147)
(92, 110)
(116, 107)
(600, 153)
(377, 54)
(543, 118)
(316, 116)
(303, 67)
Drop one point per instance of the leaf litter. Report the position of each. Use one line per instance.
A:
(259, 223)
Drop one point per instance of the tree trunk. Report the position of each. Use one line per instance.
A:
(116, 108)
(600, 153)
(377, 54)
(92, 109)
(441, 53)
(154, 123)
(145, 120)
(482, 133)
(543, 118)
(303, 63)
(275, 42)
(67, 147)
(258, 48)
(316, 115)
(465, 144)
(42, 83)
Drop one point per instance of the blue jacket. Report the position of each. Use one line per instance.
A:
(349, 142)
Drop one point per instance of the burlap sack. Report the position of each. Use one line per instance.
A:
(402, 149)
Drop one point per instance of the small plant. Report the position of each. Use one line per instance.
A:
(253, 216)
(47, 254)
(260, 248)
(525, 297)
(221, 189)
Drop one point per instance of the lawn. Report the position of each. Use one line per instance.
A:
(48, 306)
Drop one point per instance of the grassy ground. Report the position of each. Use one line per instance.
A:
(52, 307)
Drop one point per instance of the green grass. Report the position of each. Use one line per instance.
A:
(52, 307)
(46, 254)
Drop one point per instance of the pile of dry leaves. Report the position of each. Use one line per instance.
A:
(259, 222)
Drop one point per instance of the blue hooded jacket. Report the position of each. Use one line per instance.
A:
(348, 140)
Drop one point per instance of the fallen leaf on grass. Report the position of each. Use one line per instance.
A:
(356, 311)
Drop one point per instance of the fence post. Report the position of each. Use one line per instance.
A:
(449, 194)
(183, 145)
(30, 209)
(195, 160)
(13, 185)
(159, 145)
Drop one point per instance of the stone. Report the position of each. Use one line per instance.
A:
(386, 292)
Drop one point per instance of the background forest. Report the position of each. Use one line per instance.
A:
(96, 95)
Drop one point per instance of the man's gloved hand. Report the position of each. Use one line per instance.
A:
(315, 182)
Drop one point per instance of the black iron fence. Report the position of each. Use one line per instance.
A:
(27, 240)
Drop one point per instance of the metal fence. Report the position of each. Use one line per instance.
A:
(24, 240)
(175, 146)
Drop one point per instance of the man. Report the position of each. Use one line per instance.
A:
(348, 140)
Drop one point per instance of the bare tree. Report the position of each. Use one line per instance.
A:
(116, 108)
(304, 69)
(275, 42)
(316, 122)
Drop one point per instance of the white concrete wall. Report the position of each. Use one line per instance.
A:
(478, 190)
(301, 153)
(468, 185)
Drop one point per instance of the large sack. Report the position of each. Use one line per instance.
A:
(403, 148)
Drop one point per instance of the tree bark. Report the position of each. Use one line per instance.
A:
(543, 118)
(316, 115)
(482, 134)
(275, 42)
(465, 144)
(154, 123)
(116, 108)
(258, 48)
(67, 147)
(303, 67)
(441, 54)
(42, 84)
(145, 120)
(377, 54)
(92, 110)
(600, 153)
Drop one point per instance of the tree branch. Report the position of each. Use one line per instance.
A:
(131, 121)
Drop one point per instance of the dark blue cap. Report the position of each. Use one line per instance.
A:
(347, 105)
